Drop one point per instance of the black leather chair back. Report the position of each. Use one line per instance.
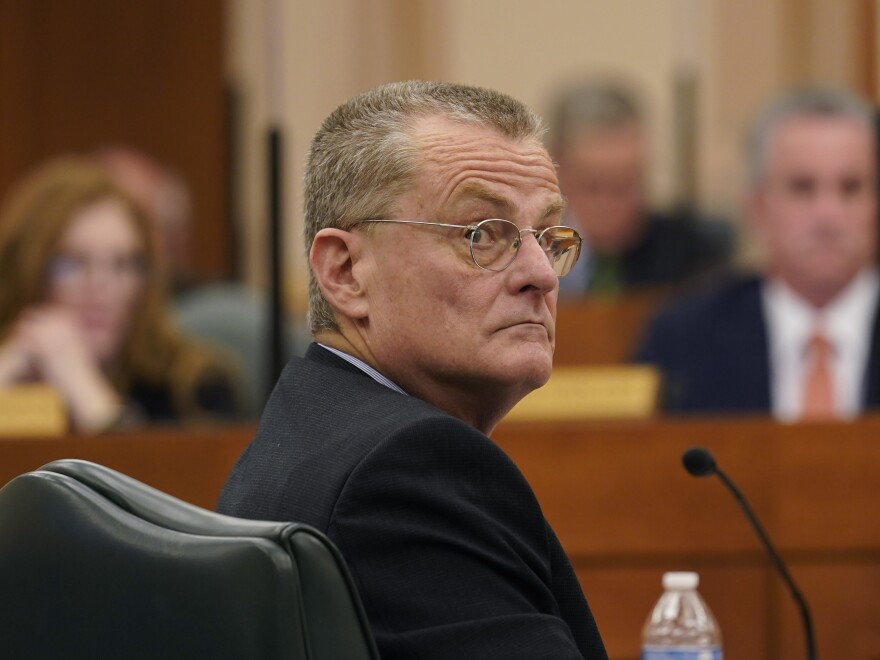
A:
(94, 564)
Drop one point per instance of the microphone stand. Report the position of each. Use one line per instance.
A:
(699, 462)
(799, 599)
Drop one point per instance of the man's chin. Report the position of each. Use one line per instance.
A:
(828, 283)
(521, 365)
(535, 373)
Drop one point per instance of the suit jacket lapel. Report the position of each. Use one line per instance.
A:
(871, 398)
(746, 350)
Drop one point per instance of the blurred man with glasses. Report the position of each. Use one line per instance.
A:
(601, 140)
(432, 216)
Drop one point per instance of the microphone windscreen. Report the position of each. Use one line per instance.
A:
(698, 461)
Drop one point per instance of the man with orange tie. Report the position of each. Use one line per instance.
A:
(801, 340)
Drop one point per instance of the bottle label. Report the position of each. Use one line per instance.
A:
(681, 653)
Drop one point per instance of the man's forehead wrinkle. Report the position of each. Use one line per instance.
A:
(457, 187)
(475, 148)
(465, 166)
(494, 169)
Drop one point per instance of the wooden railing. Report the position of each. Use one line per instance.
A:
(191, 464)
(626, 511)
(603, 331)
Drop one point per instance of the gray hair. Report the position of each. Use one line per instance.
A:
(363, 157)
(592, 104)
(807, 102)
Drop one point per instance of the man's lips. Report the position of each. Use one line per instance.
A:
(527, 324)
(511, 324)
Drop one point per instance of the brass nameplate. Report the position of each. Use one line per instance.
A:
(30, 411)
(592, 393)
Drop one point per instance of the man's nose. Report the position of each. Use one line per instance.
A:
(535, 264)
(830, 204)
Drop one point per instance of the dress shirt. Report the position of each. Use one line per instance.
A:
(367, 369)
(845, 322)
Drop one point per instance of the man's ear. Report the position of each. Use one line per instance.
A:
(333, 257)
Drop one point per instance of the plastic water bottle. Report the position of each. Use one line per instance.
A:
(681, 627)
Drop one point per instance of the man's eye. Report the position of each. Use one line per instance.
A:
(480, 236)
(802, 186)
(851, 186)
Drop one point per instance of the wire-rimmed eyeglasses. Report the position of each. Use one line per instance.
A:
(494, 243)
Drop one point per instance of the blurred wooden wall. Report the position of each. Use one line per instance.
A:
(76, 75)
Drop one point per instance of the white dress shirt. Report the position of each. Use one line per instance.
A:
(846, 322)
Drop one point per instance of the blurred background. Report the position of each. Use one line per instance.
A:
(196, 84)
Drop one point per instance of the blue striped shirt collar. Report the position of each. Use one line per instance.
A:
(367, 369)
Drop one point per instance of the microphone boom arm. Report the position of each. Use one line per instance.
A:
(799, 599)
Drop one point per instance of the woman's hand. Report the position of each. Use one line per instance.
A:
(58, 351)
(15, 363)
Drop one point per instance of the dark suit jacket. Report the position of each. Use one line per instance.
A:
(675, 248)
(444, 538)
(672, 249)
(713, 351)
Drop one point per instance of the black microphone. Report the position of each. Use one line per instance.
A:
(699, 462)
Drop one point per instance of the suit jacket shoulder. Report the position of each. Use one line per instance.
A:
(674, 249)
(443, 536)
(323, 417)
(712, 349)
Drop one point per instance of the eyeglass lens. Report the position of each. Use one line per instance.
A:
(494, 244)
(74, 270)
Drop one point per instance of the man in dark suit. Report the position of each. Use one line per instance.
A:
(802, 340)
(599, 139)
(432, 319)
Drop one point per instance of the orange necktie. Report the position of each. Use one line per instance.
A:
(819, 387)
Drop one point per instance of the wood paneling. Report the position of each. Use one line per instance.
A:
(867, 39)
(148, 73)
(626, 511)
(603, 331)
(191, 464)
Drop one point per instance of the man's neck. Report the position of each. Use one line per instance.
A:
(341, 342)
(452, 400)
(461, 404)
(818, 298)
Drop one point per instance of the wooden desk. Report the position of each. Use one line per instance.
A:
(603, 331)
(626, 511)
(191, 464)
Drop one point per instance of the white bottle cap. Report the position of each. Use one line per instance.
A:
(680, 581)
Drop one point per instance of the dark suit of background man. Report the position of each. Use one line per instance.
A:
(431, 321)
(600, 140)
(802, 339)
